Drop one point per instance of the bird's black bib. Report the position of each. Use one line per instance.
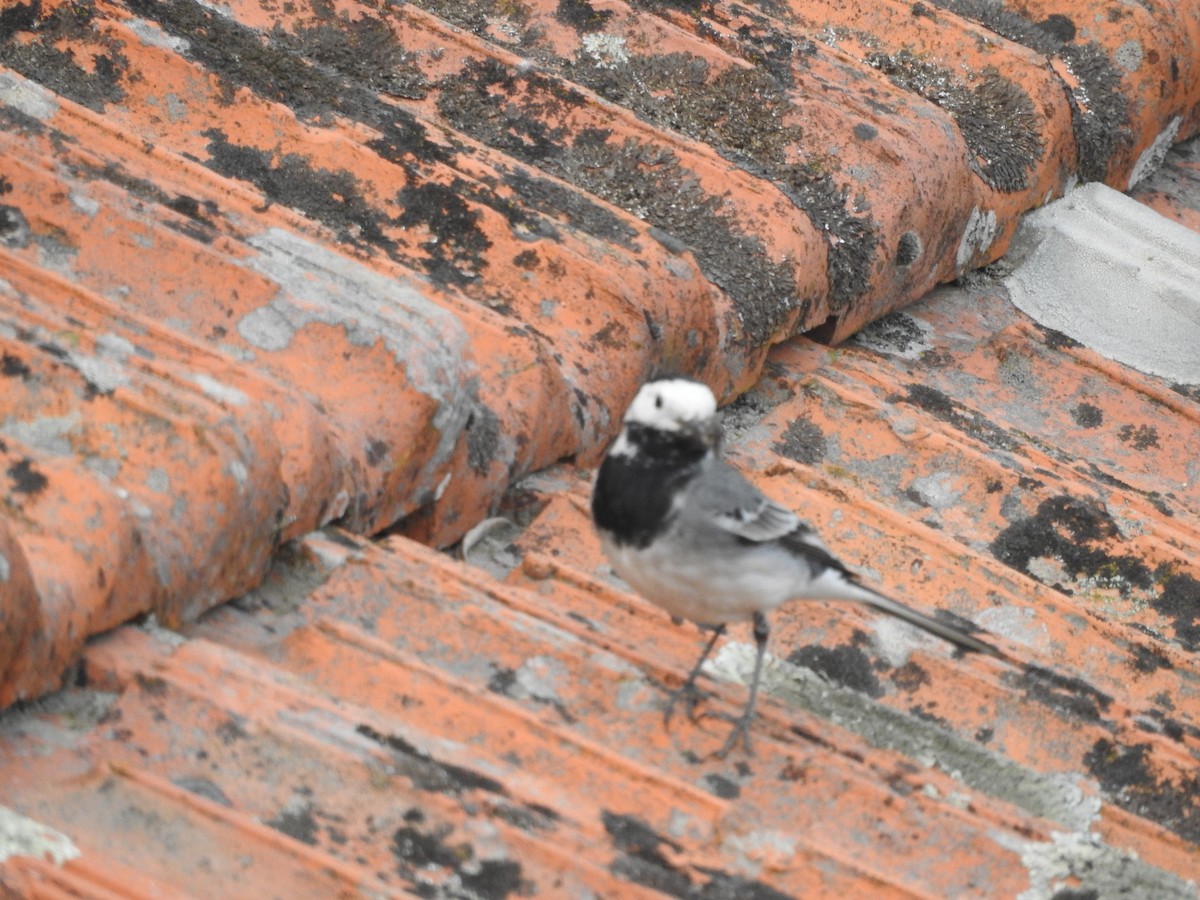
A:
(634, 493)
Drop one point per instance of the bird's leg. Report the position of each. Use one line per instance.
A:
(741, 725)
(688, 690)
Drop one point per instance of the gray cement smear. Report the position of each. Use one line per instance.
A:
(22, 836)
(1080, 864)
(1075, 856)
(1055, 797)
(1115, 276)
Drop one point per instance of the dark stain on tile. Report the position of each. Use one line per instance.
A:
(581, 15)
(1142, 437)
(909, 677)
(1065, 694)
(297, 824)
(454, 251)
(956, 415)
(1088, 416)
(14, 228)
(483, 438)
(1074, 532)
(26, 478)
(428, 773)
(14, 367)
(1147, 659)
(845, 665)
(802, 441)
(1180, 602)
(722, 787)
(419, 852)
(333, 198)
(1129, 780)
(43, 44)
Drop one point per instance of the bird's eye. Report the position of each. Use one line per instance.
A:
(658, 401)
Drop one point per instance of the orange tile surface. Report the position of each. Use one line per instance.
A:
(362, 267)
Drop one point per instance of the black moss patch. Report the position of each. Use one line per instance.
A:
(640, 860)
(1056, 340)
(199, 224)
(418, 852)
(953, 413)
(298, 824)
(908, 249)
(323, 69)
(1126, 776)
(14, 367)
(232, 730)
(552, 198)
(909, 677)
(456, 245)
(483, 437)
(1147, 659)
(193, 208)
(1072, 531)
(14, 228)
(995, 116)
(377, 451)
(339, 65)
(683, 93)
(90, 68)
(427, 773)
(1191, 391)
(1103, 133)
(1099, 109)
(26, 479)
(1180, 602)
(1155, 721)
(1088, 416)
(844, 665)
(581, 15)
(722, 786)
(1141, 437)
(1070, 696)
(534, 817)
(924, 712)
(363, 49)
(520, 111)
(334, 199)
(802, 441)
(502, 680)
(1154, 498)
(203, 787)
(478, 17)
(898, 332)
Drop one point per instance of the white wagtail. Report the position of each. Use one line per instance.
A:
(686, 531)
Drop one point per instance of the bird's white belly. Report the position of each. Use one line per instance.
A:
(701, 588)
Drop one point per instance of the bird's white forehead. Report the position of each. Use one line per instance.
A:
(667, 403)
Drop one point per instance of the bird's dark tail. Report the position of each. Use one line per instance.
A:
(847, 589)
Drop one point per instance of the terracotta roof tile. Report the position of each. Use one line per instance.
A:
(361, 268)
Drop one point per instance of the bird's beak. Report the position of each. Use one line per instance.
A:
(707, 430)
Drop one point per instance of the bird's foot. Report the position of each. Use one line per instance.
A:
(691, 696)
(739, 732)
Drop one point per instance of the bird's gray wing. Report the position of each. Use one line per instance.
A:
(726, 499)
(731, 503)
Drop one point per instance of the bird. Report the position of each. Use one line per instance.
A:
(688, 532)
